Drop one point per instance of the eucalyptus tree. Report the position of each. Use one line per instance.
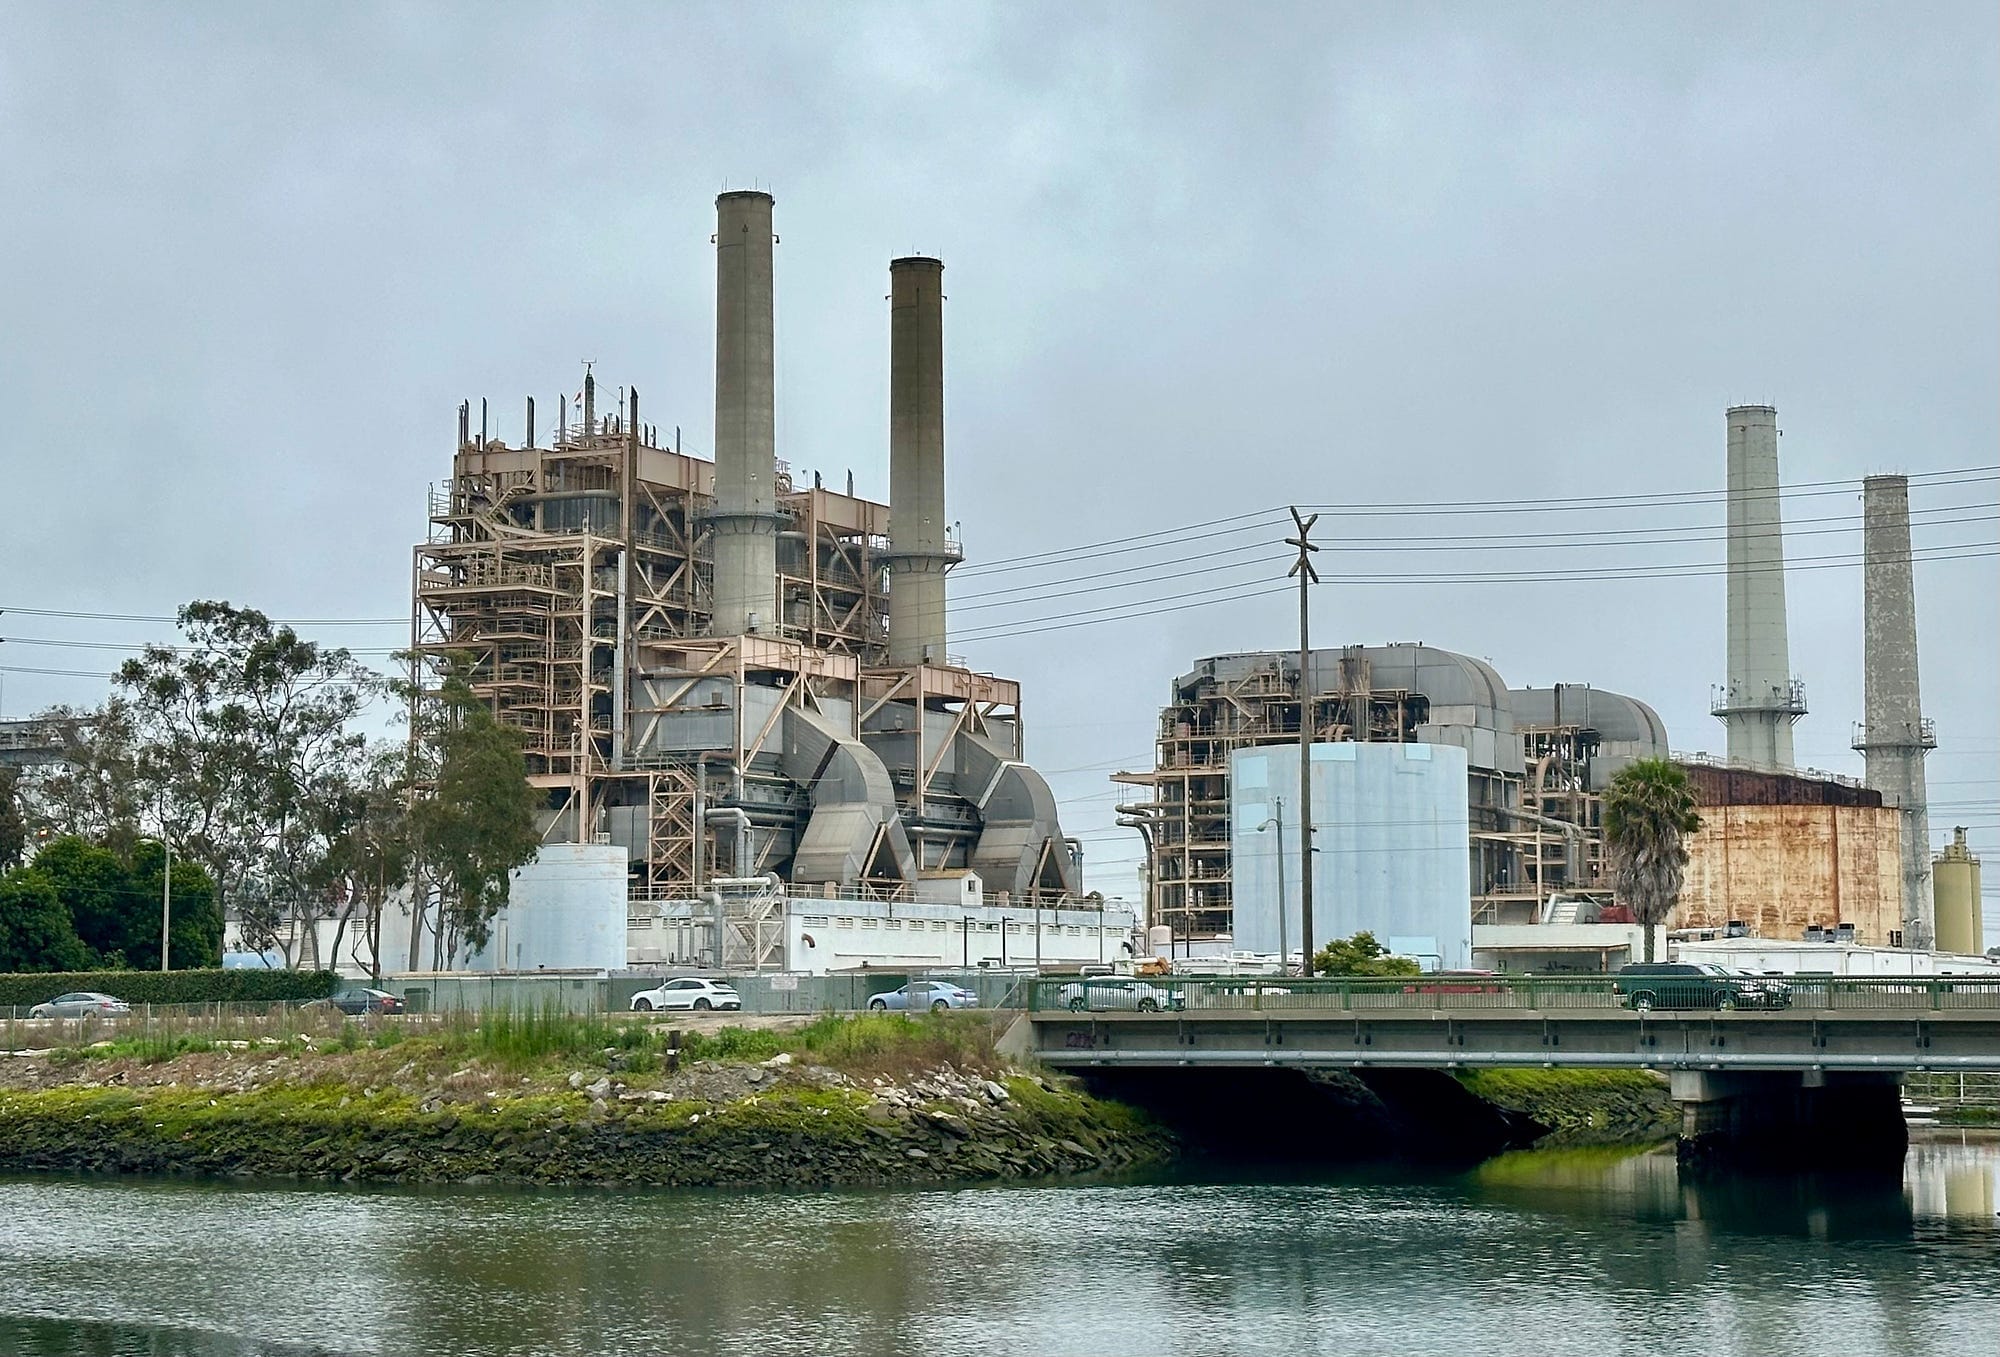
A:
(248, 760)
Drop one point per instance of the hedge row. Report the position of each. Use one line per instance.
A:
(171, 987)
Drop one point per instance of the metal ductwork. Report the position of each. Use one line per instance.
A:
(855, 830)
(1762, 699)
(1895, 737)
(1021, 845)
(745, 516)
(920, 549)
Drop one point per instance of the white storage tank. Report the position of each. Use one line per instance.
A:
(565, 911)
(1390, 829)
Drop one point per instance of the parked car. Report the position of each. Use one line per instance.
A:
(1684, 985)
(82, 1004)
(689, 992)
(936, 995)
(1117, 993)
(361, 999)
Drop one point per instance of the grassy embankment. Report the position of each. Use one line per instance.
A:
(1580, 1106)
(559, 1098)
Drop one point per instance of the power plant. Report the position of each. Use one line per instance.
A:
(1783, 852)
(733, 684)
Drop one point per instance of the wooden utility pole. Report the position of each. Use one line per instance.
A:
(1307, 576)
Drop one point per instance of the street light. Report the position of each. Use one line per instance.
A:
(1277, 822)
(166, 896)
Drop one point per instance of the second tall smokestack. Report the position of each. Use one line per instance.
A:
(920, 549)
(745, 516)
(1894, 737)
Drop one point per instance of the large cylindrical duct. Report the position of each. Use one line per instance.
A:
(1762, 699)
(920, 549)
(1894, 735)
(745, 516)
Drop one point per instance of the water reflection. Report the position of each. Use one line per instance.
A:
(1559, 1252)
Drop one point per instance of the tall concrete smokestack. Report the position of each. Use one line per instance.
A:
(745, 516)
(920, 551)
(1895, 737)
(1762, 699)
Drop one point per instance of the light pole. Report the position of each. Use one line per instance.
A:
(1277, 822)
(166, 896)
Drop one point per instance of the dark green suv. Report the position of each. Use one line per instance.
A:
(1683, 984)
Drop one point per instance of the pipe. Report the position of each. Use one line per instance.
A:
(739, 817)
(744, 516)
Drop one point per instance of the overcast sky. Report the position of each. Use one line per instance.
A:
(1203, 260)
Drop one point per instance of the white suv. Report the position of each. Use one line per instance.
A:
(701, 995)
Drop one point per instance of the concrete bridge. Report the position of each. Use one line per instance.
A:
(1830, 1060)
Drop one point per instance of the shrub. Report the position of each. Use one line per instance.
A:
(172, 987)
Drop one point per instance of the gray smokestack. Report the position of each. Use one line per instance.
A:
(920, 551)
(745, 516)
(1762, 699)
(1895, 737)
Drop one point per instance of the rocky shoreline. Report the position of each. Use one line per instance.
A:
(293, 1110)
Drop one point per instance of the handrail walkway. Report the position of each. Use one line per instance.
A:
(1802, 1024)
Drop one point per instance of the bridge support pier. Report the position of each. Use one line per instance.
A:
(1791, 1119)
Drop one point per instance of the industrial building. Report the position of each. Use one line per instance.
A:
(731, 681)
(1530, 768)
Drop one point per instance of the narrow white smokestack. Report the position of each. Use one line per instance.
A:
(1895, 737)
(1762, 699)
(745, 515)
(920, 550)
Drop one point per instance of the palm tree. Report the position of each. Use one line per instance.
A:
(1649, 810)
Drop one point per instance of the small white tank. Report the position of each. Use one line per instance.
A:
(1159, 940)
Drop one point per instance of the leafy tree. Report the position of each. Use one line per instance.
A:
(475, 822)
(1649, 810)
(1360, 955)
(94, 792)
(96, 891)
(13, 825)
(375, 857)
(35, 929)
(194, 916)
(246, 753)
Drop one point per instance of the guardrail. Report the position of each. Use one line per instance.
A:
(1169, 994)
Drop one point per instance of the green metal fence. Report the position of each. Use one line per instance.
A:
(1170, 994)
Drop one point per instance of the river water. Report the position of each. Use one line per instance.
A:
(1541, 1252)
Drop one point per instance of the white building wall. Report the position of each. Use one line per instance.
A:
(1391, 828)
(824, 935)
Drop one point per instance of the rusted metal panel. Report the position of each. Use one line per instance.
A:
(1719, 785)
(1782, 868)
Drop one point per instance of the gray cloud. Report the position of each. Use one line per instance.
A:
(1202, 259)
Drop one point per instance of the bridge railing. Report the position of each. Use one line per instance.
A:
(1194, 994)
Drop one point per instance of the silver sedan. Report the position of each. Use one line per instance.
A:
(82, 1004)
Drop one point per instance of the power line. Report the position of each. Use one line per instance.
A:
(148, 617)
(1037, 593)
(1524, 541)
(1235, 593)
